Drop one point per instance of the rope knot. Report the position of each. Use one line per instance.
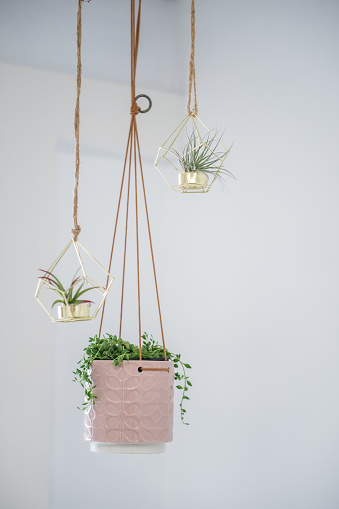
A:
(75, 232)
(135, 109)
(191, 113)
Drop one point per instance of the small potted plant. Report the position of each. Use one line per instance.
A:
(201, 158)
(72, 306)
(127, 400)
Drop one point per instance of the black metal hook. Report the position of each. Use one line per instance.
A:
(149, 100)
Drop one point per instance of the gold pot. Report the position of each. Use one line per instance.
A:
(77, 311)
(193, 179)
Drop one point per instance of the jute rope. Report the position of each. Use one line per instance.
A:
(133, 156)
(192, 81)
(115, 228)
(76, 230)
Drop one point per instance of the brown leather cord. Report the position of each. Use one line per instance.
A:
(133, 155)
(135, 33)
(137, 37)
(76, 229)
(133, 63)
(191, 81)
(137, 235)
(151, 246)
(153, 369)
(125, 244)
(115, 227)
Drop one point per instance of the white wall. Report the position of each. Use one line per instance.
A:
(248, 278)
(41, 34)
(37, 131)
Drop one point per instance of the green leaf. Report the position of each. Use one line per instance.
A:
(77, 293)
(56, 301)
(75, 279)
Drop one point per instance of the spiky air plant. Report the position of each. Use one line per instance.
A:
(68, 296)
(202, 155)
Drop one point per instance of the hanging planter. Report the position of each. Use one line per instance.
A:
(129, 400)
(65, 303)
(129, 388)
(192, 158)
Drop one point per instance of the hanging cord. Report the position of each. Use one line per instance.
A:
(137, 237)
(192, 81)
(76, 230)
(135, 33)
(151, 246)
(128, 156)
(115, 228)
(125, 244)
(133, 156)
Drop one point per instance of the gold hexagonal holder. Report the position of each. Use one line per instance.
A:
(80, 312)
(170, 163)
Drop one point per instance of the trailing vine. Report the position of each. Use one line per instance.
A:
(117, 350)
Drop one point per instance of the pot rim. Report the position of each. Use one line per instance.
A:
(74, 305)
(195, 171)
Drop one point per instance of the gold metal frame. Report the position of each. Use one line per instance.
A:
(85, 278)
(168, 148)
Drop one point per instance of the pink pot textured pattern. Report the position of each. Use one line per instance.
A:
(131, 406)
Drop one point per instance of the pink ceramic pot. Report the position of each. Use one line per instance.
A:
(132, 407)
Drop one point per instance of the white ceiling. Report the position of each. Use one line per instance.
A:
(41, 34)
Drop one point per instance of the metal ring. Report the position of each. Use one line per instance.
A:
(149, 100)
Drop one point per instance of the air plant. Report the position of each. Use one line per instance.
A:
(202, 155)
(68, 296)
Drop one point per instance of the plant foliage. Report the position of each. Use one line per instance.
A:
(202, 155)
(115, 349)
(68, 296)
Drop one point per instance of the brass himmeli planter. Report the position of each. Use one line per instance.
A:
(77, 311)
(171, 156)
(192, 180)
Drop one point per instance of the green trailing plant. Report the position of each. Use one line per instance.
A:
(68, 296)
(117, 350)
(204, 155)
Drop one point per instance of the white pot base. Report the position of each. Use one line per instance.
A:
(107, 447)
